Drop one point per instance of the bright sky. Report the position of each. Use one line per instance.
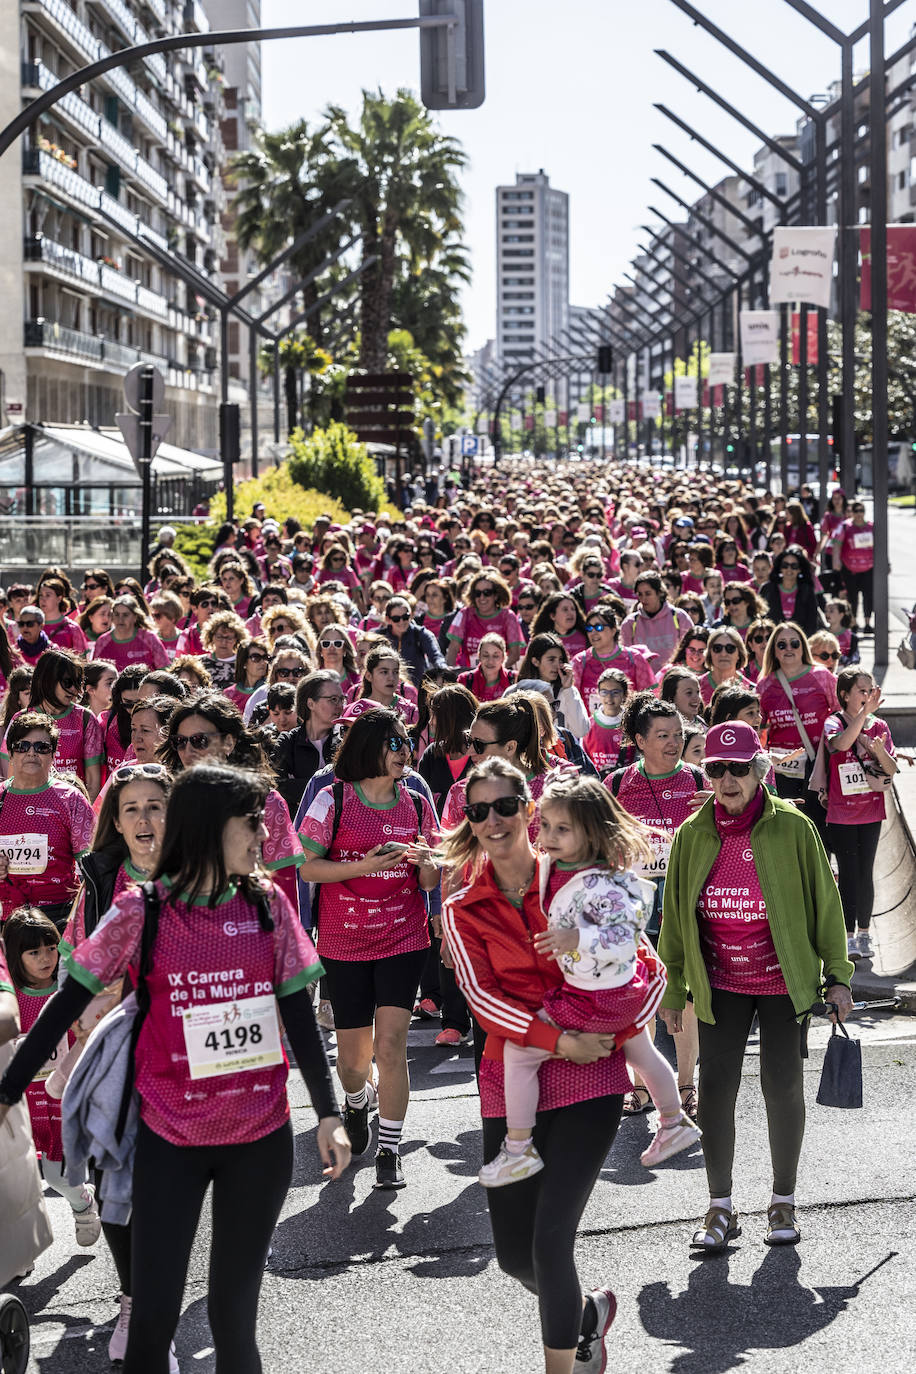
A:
(570, 88)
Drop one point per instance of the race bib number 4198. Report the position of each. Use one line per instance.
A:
(232, 1037)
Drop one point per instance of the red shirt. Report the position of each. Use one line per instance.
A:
(602, 744)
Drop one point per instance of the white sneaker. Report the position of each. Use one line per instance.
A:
(117, 1346)
(88, 1224)
(591, 1353)
(670, 1139)
(173, 1360)
(863, 940)
(507, 1168)
(852, 947)
(325, 1016)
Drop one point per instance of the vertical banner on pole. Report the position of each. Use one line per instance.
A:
(583, 412)
(759, 336)
(721, 369)
(616, 412)
(685, 393)
(651, 405)
(812, 339)
(550, 419)
(801, 268)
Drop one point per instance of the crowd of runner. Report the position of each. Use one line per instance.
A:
(518, 764)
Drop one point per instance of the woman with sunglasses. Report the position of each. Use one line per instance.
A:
(96, 582)
(586, 565)
(790, 593)
(489, 926)
(793, 685)
(859, 748)
(417, 646)
(334, 651)
(251, 665)
(335, 568)
(131, 639)
(301, 751)
(602, 628)
(725, 658)
(740, 605)
(205, 601)
(511, 729)
(659, 790)
(373, 929)
(752, 926)
(60, 629)
(758, 637)
(384, 681)
(527, 607)
(55, 689)
(825, 649)
(486, 609)
(45, 823)
(218, 928)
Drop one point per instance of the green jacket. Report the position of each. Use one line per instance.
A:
(802, 901)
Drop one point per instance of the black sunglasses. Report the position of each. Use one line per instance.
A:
(398, 742)
(527, 605)
(39, 746)
(784, 644)
(290, 672)
(723, 648)
(398, 619)
(478, 746)
(68, 683)
(198, 741)
(477, 812)
(790, 566)
(827, 657)
(206, 601)
(734, 600)
(484, 591)
(27, 624)
(757, 639)
(718, 768)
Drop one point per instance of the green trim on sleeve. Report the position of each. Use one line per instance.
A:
(296, 859)
(301, 980)
(81, 854)
(314, 848)
(83, 976)
(6, 987)
(96, 758)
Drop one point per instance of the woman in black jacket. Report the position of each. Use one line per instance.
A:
(790, 593)
(301, 752)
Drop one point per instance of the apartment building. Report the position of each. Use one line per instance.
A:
(123, 165)
(532, 264)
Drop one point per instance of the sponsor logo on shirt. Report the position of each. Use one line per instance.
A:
(241, 927)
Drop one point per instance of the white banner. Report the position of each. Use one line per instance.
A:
(550, 419)
(516, 420)
(583, 413)
(759, 337)
(801, 268)
(685, 393)
(483, 424)
(721, 369)
(651, 405)
(615, 412)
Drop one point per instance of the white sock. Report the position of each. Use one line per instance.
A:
(359, 1099)
(389, 1134)
(783, 1197)
(517, 1147)
(725, 1202)
(782, 1232)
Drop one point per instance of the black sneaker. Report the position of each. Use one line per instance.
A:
(388, 1171)
(356, 1125)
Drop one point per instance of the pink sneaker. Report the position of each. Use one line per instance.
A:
(426, 1010)
(449, 1036)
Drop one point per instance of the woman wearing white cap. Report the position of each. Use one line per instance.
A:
(752, 925)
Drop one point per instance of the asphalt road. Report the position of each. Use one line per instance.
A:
(406, 1283)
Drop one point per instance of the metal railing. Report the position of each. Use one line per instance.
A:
(40, 249)
(79, 541)
(74, 28)
(42, 333)
(35, 162)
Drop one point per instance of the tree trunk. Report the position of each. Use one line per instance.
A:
(375, 293)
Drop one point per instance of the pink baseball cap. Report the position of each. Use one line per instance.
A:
(357, 709)
(732, 742)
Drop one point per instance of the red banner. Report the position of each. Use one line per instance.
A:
(669, 402)
(901, 268)
(718, 395)
(812, 339)
(756, 375)
(705, 398)
(563, 418)
(599, 414)
(529, 422)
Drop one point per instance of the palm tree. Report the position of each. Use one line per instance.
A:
(427, 303)
(285, 184)
(402, 173)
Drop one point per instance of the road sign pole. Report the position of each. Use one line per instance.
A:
(146, 463)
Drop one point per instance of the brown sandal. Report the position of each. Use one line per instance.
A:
(719, 1223)
(688, 1099)
(781, 1217)
(632, 1106)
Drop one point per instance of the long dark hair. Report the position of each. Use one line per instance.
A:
(50, 670)
(247, 751)
(203, 799)
(126, 681)
(455, 707)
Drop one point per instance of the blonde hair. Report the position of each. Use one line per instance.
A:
(608, 834)
(460, 846)
(731, 634)
(770, 661)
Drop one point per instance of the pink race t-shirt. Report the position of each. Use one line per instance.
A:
(142, 647)
(43, 830)
(469, 628)
(79, 741)
(190, 642)
(203, 956)
(282, 851)
(602, 744)
(735, 933)
(662, 803)
(857, 546)
(66, 634)
(814, 692)
(381, 914)
(588, 667)
(850, 800)
(787, 601)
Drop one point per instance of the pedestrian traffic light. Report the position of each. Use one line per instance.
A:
(605, 359)
(540, 395)
(451, 56)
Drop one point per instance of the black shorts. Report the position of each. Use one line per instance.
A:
(355, 987)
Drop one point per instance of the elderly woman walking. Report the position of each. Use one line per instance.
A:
(752, 924)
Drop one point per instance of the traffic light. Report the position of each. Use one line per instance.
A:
(462, 88)
(540, 395)
(605, 359)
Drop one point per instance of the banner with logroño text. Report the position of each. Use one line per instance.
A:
(801, 268)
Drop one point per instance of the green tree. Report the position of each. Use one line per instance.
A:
(332, 460)
(401, 171)
(299, 354)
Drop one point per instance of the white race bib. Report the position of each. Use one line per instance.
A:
(661, 852)
(853, 781)
(863, 540)
(27, 853)
(788, 767)
(232, 1037)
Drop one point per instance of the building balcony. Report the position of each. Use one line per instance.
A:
(115, 283)
(117, 211)
(35, 162)
(156, 9)
(154, 181)
(119, 81)
(117, 145)
(90, 349)
(76, 37)
(152, 302)
(151, 117)
(63, 262)
(122, 16)
(75, 110)
(195, 20)
(160, 240)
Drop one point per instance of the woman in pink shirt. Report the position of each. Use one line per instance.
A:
(855, 542)
(211, 1079)
(60, 629)
(131, 638)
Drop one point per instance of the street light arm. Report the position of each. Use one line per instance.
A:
(723, 104)
(815, 17)
(703, 248)
(311, 277)
(328, 295)
(776, 82)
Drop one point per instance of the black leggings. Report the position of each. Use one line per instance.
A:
(535, 1222)
(250, 1182)
(855, 847)
(855, 583)
(117, 1238)
(793, 789)
(722, 1048)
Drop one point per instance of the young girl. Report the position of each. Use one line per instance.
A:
(694, 745)
(838, 614)
(604, 740)
(31, 950)
(489, 680)
(597, 912)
